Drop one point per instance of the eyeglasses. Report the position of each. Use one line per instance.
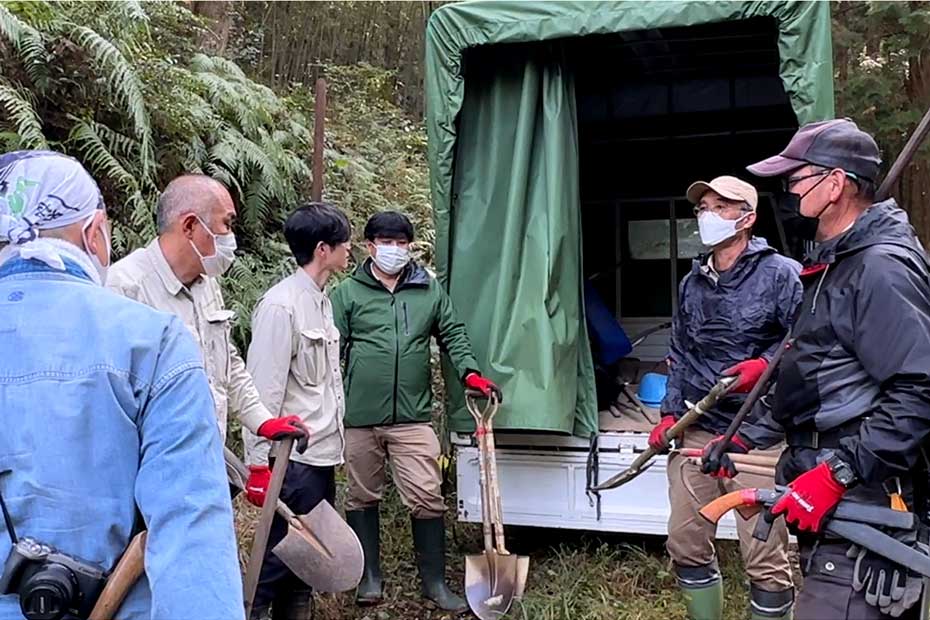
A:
(718, 209)
(787, 184)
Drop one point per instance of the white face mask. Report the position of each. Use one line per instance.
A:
(391, 258)
(223, 256)
(95, 261)
(715, 229)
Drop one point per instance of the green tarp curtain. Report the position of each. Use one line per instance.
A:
(526, 320)
(517, 179)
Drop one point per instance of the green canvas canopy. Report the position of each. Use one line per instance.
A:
(503, 123)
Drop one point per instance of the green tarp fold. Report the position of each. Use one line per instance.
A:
(504, 179)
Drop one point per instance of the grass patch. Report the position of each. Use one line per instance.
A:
(573, 575)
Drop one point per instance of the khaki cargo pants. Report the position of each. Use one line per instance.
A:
(413, 452)
(691, 537)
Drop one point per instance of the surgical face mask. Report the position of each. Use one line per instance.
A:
(715, 229)
(94, 259)
(788, 210)
(223, 256)
(391, 258)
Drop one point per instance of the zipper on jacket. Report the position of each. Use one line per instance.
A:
(396, 356)
(406, 321)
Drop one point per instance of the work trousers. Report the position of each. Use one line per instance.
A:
(691, 536)
(304, 487)
(413, 453)
(828, 586)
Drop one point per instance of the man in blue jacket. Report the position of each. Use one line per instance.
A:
(105, 407)
(736, 305)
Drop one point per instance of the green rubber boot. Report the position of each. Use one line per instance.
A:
(429, 542)
(367, 526)
(704, 603)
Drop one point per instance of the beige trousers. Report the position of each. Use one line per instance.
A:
(413, 452)
(691, 537)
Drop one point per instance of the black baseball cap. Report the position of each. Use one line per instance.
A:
(832, 144)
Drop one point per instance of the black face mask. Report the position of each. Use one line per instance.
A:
(788, 210)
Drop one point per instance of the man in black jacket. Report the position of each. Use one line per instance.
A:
(852, 399)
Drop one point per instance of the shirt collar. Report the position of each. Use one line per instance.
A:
(306, 282)
(163, 269)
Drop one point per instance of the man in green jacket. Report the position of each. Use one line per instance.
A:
(386, 313)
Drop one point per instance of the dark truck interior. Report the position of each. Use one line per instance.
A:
(657, 110)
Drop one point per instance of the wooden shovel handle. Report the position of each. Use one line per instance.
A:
(282, 454)
(121, 580)
(756, 460)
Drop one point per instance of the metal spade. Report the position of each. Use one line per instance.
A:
(320, 547)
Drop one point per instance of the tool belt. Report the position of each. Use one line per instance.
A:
(814, 439)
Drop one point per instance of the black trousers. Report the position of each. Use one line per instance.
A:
(304, 487)
(828, 592)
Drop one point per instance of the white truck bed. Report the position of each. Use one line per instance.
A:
(542, 480)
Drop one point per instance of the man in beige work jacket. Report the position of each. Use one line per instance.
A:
(177, 273)
(294, 358)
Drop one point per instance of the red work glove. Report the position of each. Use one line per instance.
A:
(749, 372)
(810, 498)
(475, 381)
(657, 438)
(721, 467)
(288, 427)
(257, 485)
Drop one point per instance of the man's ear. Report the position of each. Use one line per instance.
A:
(749, 221)
(188, 222)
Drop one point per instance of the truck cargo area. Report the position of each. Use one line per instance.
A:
(657, 110)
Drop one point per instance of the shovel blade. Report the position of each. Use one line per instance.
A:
(322, 550)
(491, 584)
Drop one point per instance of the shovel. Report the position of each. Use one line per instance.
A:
(320, 548)
(494, 579)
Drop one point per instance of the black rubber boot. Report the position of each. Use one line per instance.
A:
(295, 605)
(429, 543)
(366, 525)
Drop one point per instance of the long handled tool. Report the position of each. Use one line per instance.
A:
(491, 579)
(282, 454)
(523, 562)
(644, 460)
(124, 576)
(320, 548)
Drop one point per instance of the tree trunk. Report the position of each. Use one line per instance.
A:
(219, 24)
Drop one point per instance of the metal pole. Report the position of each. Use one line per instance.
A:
(904, 159)
(318, 121)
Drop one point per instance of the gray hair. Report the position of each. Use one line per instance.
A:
(189, 193)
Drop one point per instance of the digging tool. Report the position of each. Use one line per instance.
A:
(320, 548)
(644, 460)
(121, 580)
(904, 158)
(491, 578)
(744, 468)
(282, 453)
(523, 562)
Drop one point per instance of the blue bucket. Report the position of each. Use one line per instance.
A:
(652, 389)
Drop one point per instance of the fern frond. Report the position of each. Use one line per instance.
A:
(27, 41)
(202, 63)
(20, 111)
(95, 154)
(122, 77)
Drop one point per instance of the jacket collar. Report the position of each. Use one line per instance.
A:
(756, 248)
(163, 269)
(306, 282)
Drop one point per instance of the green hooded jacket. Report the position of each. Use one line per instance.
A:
(386, 344)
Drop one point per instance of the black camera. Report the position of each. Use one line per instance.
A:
(51, 585)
